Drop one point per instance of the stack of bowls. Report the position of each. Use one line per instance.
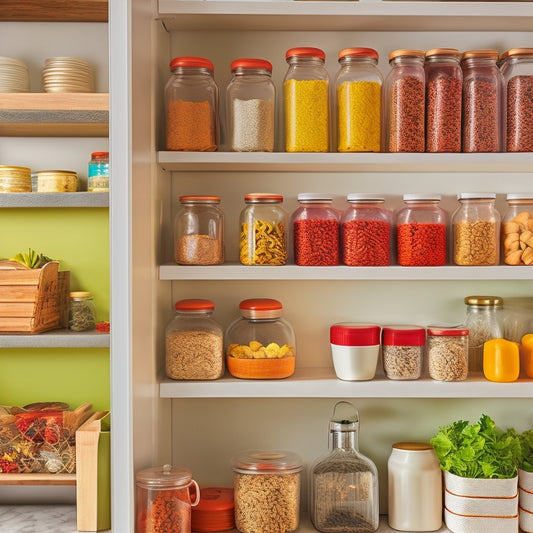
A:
(67, 75)
(14, 76)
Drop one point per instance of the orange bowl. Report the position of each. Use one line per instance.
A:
(261, 368)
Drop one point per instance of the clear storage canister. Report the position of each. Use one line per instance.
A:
(405, 102)
(517, 229)
(447, 352)
(403, 351)
(476, 230)
(250, 106)
(194, 342)
(263, 230)
(98, 177)
(82, 311)
(15, 179)
(444, 89)
(199, 231)
(306, 101)
(191, 106)
(358, 89)
(266, 488)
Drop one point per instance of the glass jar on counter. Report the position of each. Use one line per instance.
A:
(403, 351)
(98, 177)
(191, 106)
(444, 89)
(358, 89)
(263, 230)
(306, 101)
(447, 352)
(194, 347)
(517, 230)
(199, 231)
(57, 181)
(476, 230)
(250, 106)
(82, 311)
(15, 179)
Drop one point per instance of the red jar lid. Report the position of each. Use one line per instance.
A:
(263, 197)
(305, 51)
(354, 334)
(100, 155)
(359, 52)
(215, 510)
(194, 304)
(447, 331)
(251, 63)
(403, 335)
(191, 61)
(260, 308)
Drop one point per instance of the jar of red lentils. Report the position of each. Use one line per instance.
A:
(444, 90)
(421, 234)
(306, 101)
(315, 225)
(365, 231)
(358, 89)
(191, 106)
(517, 230)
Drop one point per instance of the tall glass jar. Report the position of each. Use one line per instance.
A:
(263, 230)
(344, 493)
(405, 102)
(199, 231)
(476, 230)
(517, 230)
(250, 106)
(191, 106)
(358, 89)
(306, 101)
(444, 89)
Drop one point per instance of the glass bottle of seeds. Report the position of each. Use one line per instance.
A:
(199, 231)
(344, 483)
(263, 230)
(82, 311)
(358, 89)
(517, 230)
(306, 101)
(403, 351)
(447, 352)
(98, 177)
(250, 106)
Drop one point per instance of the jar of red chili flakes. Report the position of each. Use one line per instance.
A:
(366, 231)
(316, 230)
(421, 231)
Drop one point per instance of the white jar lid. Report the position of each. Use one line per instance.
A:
(410, 197)
(476, 195)
(314, 197)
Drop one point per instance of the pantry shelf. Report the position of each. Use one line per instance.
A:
(72, 199)
(63, 338)
(54, 10)
(37, 479)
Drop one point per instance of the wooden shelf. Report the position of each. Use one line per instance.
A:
(51, 199)
(37, 479)
(61, 338)
(54, 11)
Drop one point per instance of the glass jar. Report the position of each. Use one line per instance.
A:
(191, 106)
(405, 102)
(164, 495)
(485, 321)
(447, 351)
(421, 231)
(82, 311)
(476, 230)
(517, 70)
(306, 101)
(358, 89)
(344, 483)
(250, 106)
(266, 487)
(98, 177)
(199, 231)
(517, 230)
(260, 343)
(263, 230)
(365, 231)
(444, 89)
(15, 179)
(194, 342)
(57, 181)
(482, 102)
(315, 225)
(403, 351)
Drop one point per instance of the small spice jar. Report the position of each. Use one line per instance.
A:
(266, 487)
(199, 231)
(306, 101)
(358, 89)
(194, 342)
(260, 343)
(250, 106)
(57, 181)
(164, 498)
(15, 179)
(447, 349)
(403, 351)
(365, 231)
(517, 230)
(191, 106)
(421, 231)
(263, 230)
(444, 88)
(476, 230)
(82, 311)
(98, 177)
(315, 224)
(405, 102)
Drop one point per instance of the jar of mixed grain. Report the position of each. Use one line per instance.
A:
(403, 351)
(447, 351)
(517, 230)
(266, 487)
(194, 342)
(57, 181)
(15, 179)
(82, 311)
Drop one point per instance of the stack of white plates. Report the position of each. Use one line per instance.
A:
(14, 76)
(67, 75)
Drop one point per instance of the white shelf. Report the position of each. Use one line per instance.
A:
(57, 339)
(71, 199)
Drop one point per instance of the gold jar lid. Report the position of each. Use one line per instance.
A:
(56, 174)
(517, 52)
(412, 446)
(480, 54)
(14, 172)
(484, 300)
(405, 52)
(443, 52)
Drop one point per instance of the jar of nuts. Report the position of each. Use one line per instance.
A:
(517, 229)
(402, 351)
(447, 349)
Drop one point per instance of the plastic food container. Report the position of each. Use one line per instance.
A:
(98, 178)
(215, 510)
(517, 230)
(403, 351)
(447, 350)
(15, 179)
(57, 181)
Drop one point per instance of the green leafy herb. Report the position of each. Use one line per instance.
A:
(526, 446)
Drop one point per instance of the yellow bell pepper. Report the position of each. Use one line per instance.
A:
(526, 354)
(501, 360)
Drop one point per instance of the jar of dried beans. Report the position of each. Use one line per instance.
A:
(199, 231)
(358, 89)
(517, 229)
(315, 225)
(403, 351)
(444, 89)
(447, 349)
(421, 224)
(194, 342)
(404, 102)
(306, 101)
(263, 230)
(476, 230)
(366, 231)
(191, 106)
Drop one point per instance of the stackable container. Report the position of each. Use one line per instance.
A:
(57, 181)
(517, 230)
(403, 351)
(15, 179)
(447, 353)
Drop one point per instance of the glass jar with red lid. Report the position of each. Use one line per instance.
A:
(403, 351)
(98, 176)
(447, 352)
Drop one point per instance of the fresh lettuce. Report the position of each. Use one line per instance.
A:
(526, 445)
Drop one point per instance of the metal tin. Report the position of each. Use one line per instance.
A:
(57, 181)
(15, 179)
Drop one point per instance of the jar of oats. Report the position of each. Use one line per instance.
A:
(266, 487)
(447, 349)
(402, 351)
